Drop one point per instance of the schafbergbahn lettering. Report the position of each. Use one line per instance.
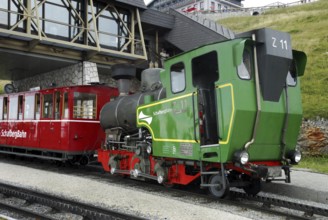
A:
(13, 134)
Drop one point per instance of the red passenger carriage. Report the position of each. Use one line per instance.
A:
(58, 123)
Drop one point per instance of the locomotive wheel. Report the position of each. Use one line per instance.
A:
(254, 187)
(84, 160)
(219, 191)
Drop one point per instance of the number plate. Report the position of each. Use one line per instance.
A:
(274, 171)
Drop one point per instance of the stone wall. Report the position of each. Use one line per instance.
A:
(82, 73)
(313, 138)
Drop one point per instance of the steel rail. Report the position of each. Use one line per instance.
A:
(86, 210)
(308, 209)
(24, 212)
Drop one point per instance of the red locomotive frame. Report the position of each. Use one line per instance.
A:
(59, 123)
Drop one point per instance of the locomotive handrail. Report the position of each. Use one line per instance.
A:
(194, 117)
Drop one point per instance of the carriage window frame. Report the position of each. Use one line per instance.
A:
(4, 114)
(57, 105)
(13, 108)
(37, 107)
(65, 105)
(81, 105)
(182, 71)
(1, 107)
(29, 107)
(47, 111)
(249, 68)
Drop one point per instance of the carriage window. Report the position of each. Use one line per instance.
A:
(85, 105)
(178, 78)
(65, 106)
(57, 105)
(20, 107)
(245, 68)
(47, 106)
(37, 106)
(1, 108)
(13, 107)
(5, 108)
(29, 107)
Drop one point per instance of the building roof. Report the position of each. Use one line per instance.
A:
(191, 32)
(136, 3)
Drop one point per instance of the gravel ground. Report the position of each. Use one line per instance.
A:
(141, 201)
(148, 204)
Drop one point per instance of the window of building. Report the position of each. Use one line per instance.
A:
(85, 105)
(202, 6)
(212, 6)
(11, 14)
(113, 26)
(47, 106)
(178, 78)
(219, 7)
(29, 107)
(13, 107)
(60, 19)
(3, 14)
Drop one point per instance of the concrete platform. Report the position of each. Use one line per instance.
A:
(305, 185)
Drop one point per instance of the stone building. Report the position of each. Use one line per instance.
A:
(195, 5)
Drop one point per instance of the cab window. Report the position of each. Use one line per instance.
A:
(178, 78)
(245, 69)
(291, 75)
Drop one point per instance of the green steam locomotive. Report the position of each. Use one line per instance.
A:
(223, 115)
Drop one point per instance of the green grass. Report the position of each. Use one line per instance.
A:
(307, 25)
(318, 164)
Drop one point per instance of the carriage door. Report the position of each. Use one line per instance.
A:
(50, 124)
(3, 119)
(205, 72)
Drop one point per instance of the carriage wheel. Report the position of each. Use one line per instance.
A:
(219, 190)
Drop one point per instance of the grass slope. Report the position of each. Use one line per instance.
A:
(308, 26)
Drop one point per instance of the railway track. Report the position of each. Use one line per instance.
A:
(57, 204)
(267, 202)
(275, 205)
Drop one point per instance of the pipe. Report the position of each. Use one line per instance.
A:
(258, 97)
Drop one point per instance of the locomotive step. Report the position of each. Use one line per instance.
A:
(209, 172)
(208, 185)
